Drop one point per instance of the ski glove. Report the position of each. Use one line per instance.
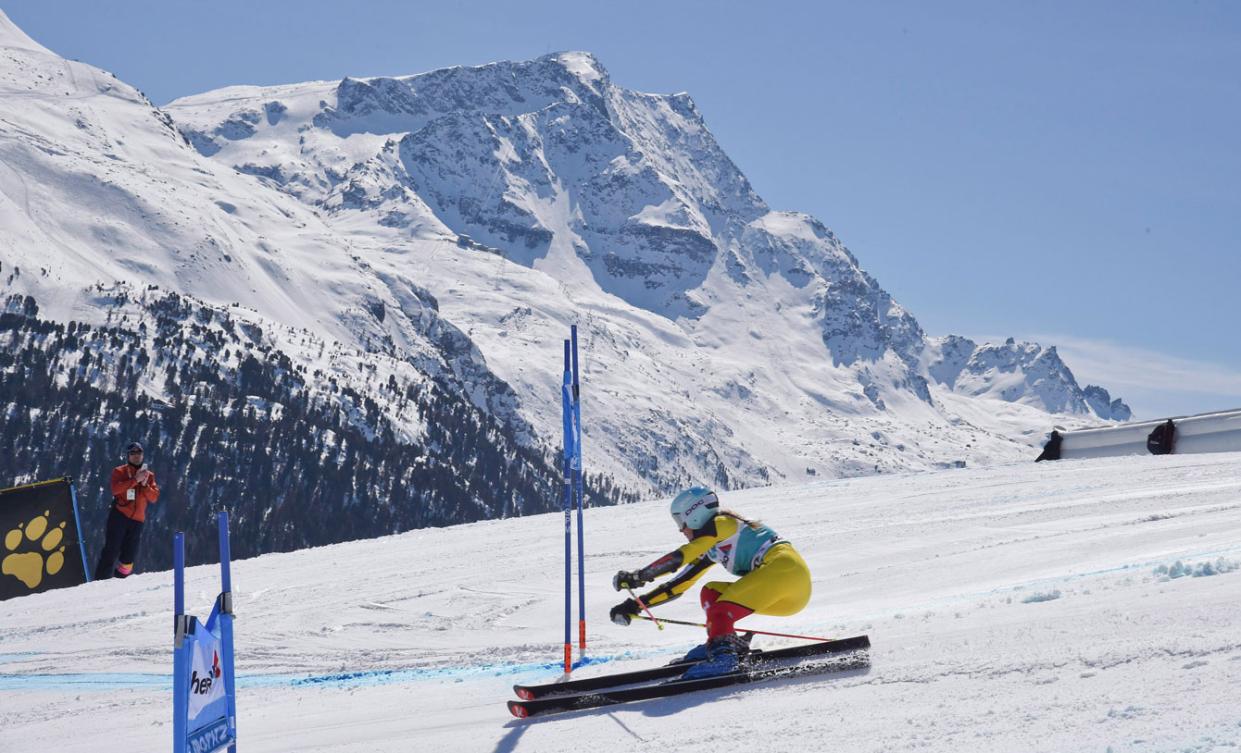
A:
(625, 579)
(623, 613)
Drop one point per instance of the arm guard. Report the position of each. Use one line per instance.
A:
(661, 566)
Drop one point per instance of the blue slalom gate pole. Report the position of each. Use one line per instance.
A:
(204, 702)
(566, 400)
(180, 662)
(225, 608)
(77, 521)
(577, 483)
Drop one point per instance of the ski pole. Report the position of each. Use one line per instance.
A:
(659, 624)
(744, 630)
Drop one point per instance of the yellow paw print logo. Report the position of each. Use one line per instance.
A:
(29, 566)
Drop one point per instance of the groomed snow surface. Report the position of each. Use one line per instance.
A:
(1014, 608)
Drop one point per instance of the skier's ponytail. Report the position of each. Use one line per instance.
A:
(755, 524)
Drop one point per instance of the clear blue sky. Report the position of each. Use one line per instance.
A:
(1058, 170)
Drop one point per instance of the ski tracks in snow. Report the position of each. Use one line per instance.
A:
(1085, 606)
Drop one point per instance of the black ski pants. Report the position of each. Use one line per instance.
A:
(123, 535)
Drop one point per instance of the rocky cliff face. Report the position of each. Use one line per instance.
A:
(1018, 372)
(1104, 406)
(548, 162)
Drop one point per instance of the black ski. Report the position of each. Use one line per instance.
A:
(766, 668)
(532, 692)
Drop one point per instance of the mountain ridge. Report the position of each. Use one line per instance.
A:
(683, 236)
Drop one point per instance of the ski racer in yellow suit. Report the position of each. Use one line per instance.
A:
(774, 578)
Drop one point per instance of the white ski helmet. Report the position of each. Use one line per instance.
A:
(694, 507)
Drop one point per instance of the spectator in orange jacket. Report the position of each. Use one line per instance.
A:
(133, 488)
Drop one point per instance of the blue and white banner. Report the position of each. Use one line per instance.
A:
(204, 701)
(209, 739)
(205, 688)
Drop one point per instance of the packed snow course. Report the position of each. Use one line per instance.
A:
(1075, 606)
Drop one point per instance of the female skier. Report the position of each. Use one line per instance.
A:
(774, 578)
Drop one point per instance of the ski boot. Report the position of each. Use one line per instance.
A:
(696, 654)
(699, 653)
(724, 656)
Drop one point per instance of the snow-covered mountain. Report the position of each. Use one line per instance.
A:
(385, 237)
(551, 166)
(623, 198)
(1018, 372)
(150, 293)
(1077, 606)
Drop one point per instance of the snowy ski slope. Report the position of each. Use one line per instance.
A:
(1013, 608)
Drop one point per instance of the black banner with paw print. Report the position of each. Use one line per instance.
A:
(40, 540)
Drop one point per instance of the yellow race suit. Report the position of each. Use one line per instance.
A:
(774, 578)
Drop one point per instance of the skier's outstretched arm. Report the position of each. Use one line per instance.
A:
(678, 585)
(623, 613)
(670, 562)
(694, 552)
